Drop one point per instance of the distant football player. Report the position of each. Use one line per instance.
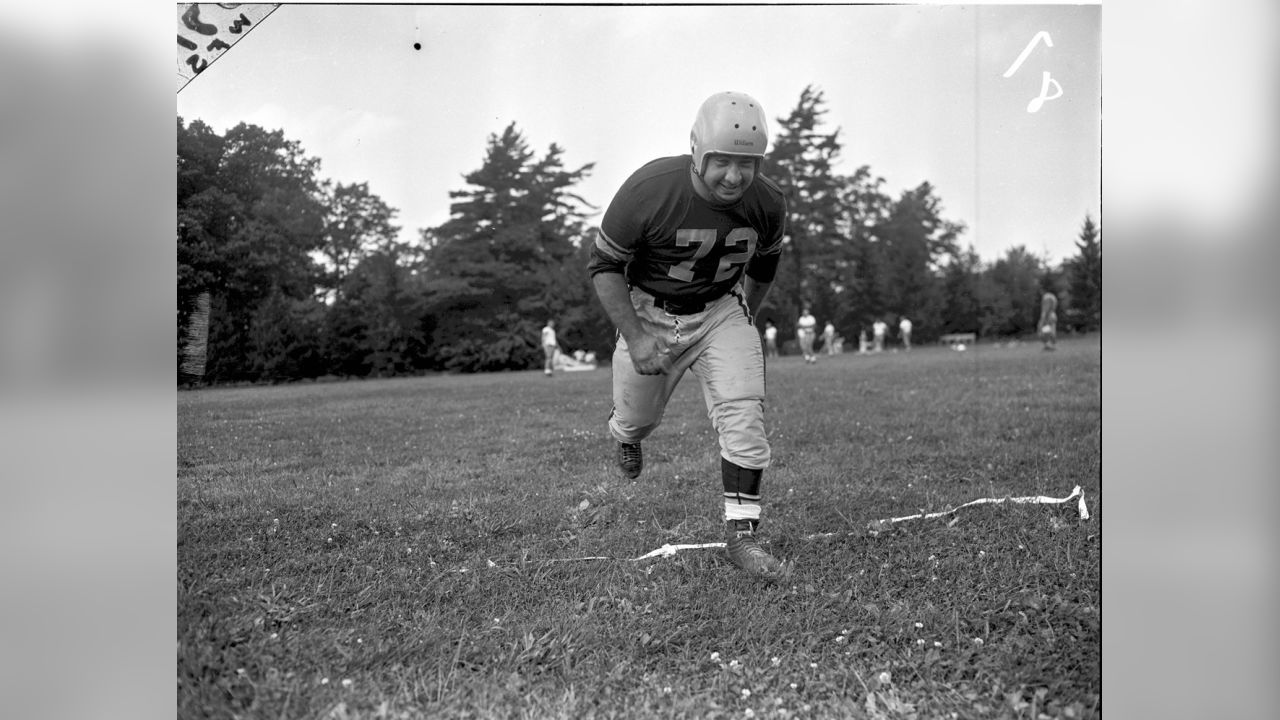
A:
(1049, 321)
(684, 257)
(829, 338)
(904, 331)
(806, 327)
(549, 346)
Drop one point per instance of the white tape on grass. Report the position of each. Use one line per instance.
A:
(874, 527)
(664, 551)
(1077, 494)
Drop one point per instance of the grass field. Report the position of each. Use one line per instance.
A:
(403, 548)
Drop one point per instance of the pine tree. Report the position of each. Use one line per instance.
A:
(802, 163)
(1084, 274)
(493, 269)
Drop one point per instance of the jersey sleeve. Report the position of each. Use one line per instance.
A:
(619, 233)
(764, 264)
(607, 256)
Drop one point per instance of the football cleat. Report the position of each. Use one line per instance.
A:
(630, 460)
(745, 551)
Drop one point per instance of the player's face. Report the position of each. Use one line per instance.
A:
(727, 177)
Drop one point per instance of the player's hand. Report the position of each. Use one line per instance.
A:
(650, 356)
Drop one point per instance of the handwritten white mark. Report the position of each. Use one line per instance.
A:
(1038, 102)
(1027, 51)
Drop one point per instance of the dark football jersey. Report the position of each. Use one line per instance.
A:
(673, 244)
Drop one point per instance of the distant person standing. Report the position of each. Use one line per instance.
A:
(1049, 321)
(549, 346)
(878, 330)
(770, 339)
(904, 331)
(806, 327)
(863, 343)
(829, 338)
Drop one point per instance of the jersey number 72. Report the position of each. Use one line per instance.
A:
(705, 240)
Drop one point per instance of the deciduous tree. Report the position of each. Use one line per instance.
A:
(1009, 294)
(357, 223)
(248, 221)
(376, 323)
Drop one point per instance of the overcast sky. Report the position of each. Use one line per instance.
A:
(919, 93)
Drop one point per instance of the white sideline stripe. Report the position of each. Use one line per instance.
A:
(669, 550)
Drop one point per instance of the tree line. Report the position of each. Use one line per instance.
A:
(290, 276)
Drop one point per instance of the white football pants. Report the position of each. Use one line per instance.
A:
(722, 349)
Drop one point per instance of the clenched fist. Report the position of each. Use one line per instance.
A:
(649, 355)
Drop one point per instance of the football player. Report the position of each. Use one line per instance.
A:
(684, 257)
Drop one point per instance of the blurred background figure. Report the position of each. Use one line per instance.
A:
(805, 331)
(549, 347)
(1049, 321)
(829, 338)
(878, 330)
(904, 331)
(770, 339)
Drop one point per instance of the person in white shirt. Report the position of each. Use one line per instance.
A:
(770, 339)
(549, 346)
(1049, 321)
(805, 330)
(829, 338)
(878, 330)
(904, 331)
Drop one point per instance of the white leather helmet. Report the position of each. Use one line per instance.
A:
(728, 123)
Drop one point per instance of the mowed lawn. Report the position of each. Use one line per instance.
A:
(410, 548)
